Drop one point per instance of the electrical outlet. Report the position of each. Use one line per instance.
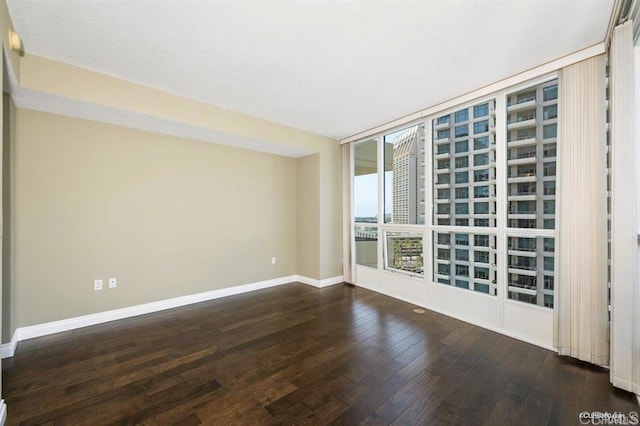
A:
(113, 283)
(97, 285)
(273, 260)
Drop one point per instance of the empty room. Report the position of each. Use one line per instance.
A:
(320, 212)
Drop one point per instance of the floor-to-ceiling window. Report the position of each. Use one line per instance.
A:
(365, 203)
(460, 210)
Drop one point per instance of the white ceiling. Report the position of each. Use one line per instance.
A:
(330, 67)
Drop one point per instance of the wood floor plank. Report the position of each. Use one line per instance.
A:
(298, 355)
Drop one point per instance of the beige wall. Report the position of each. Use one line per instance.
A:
(308, 215)
(51, 77)
(330, 237)
(8, 283)
(166, 216)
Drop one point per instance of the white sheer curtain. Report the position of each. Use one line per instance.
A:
(347, 229)
(625, 296)
(581, 315)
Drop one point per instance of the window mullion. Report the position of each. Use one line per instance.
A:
(501, 197)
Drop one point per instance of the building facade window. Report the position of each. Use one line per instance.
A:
(481, 127)
(550, 93)
(462, 131)
(443, 134)
(444, 119)
(480, 111)
(550, 131)
(481, 142)
(462, 115)
(550, 112)
(462, 177)
(462, 146)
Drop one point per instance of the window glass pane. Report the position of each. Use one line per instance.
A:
(550, 131)
(404, 252)
(481, 192)
(549, 150)
(550, 188)
(481, 110)
(549, 169)
(550, 112)
(462, 255)
(462, 284)
(481, 175)
(525, 115)
(461, 131)
(481, 126)
(365, 181)
(444, 208)
(481, 257)
(444, 194)
(443, 164)
(404, 177)
(462, 162)
(462, 146)
(527, 96)
(530, 263)
(462, 208)
(531, 150)
(443, 179)
(462, 115)
(443, 134)
(470, 162)
(366, 238)
(462, 193)
(473, 265)
(443, 149)
(462, 177)
(481, 222)
(481, 159)
(444, 119)
(481, 208)
(550, 93)
(481, 240)
(481, 142)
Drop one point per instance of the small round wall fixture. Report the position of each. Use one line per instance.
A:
(15, 43)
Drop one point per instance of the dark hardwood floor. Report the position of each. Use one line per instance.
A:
(298, 355)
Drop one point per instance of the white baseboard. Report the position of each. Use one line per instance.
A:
(3, 412)
(320, 283)
(8, 349)
(627, 385)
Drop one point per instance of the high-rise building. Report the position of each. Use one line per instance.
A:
(464, 191)
(464, 155)
(532, 127)
(408, 176)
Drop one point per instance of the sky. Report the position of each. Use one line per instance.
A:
(365, 194)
